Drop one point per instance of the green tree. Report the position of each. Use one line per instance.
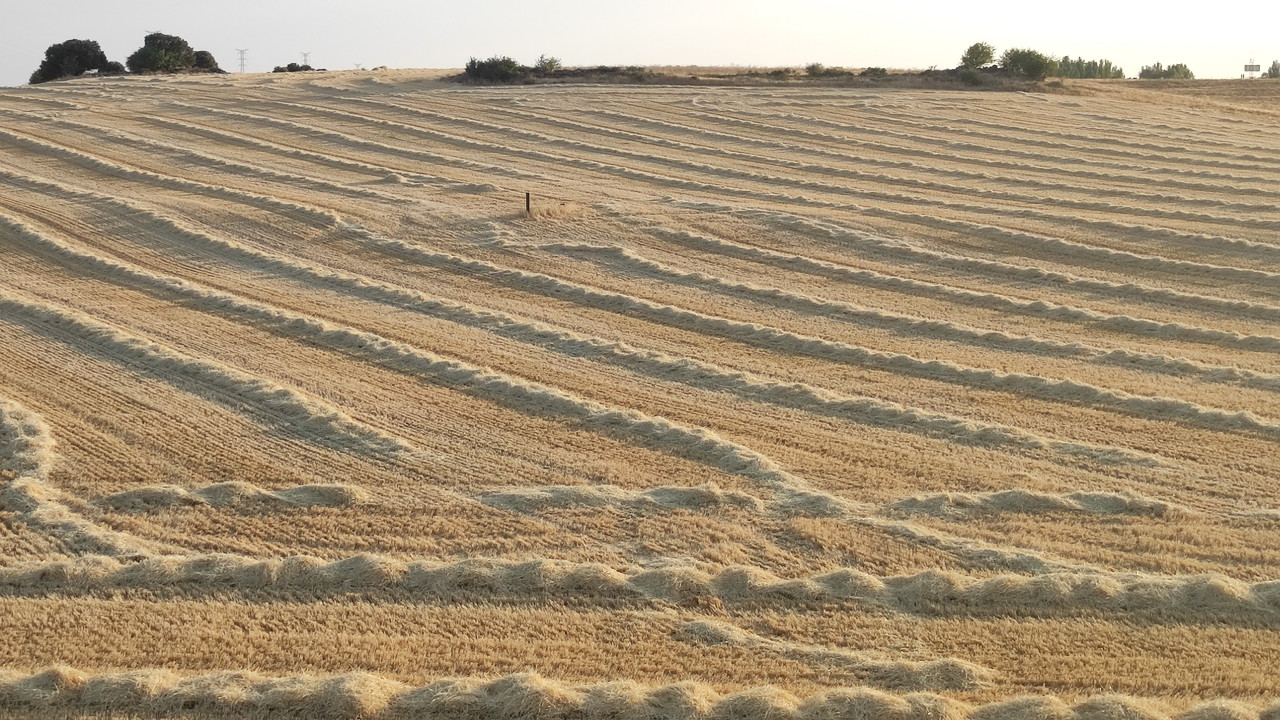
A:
(496, 69)
(1081, 68)
(978, 55)
(205, 60)
(1177, 71)
(162, 53)
(1028, 63)
(69, 59)
(1273, 71)
(547, 65)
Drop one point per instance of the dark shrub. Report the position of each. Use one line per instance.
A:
(820, 70)
(496, 69)
(874, 72)
(69, 59)
(205, 60)
(162, 53)
(972, 76)
(1028, 63)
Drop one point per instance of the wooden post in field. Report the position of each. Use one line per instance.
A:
(528, 206)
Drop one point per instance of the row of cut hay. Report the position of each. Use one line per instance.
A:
(1196, 241)
(1025, 175)
(1074, 136)
(291, 209)
(351, 142)
(1205, 597)
(1140, 327)
(343, 163)
(278, 405)
(793, 496)
(194, 158)
(1005, 148)
(711, 499)
(1031, 245)
(531, 697)
(899, 250)
(1032, 502)
(874, 139)
(26, 445)
(552, 160)
(533, 398)
(1263, 252)
(1028, 202)
(234, 493)
(694, 373)
(26, 459)
(930, 329)
(943, 674)
(706, 497)
(860, 410)
(546, 497)
(934, 159)
(1055, 390)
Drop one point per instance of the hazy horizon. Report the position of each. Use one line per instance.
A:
(747, 33)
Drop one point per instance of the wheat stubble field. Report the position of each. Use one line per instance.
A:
(784, 402)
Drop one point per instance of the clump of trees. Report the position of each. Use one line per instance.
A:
(169, 53)
(1273, 71)
(976, 65)
(1081, 68)
(503, 69)
(496, 69)
(1177, 71)
(818, 70)
(1028, 64)
(159, 53)
(73, 58)
(292, 67)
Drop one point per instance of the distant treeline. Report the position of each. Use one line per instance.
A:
(1177, 71)
(1030, 64)
(978, 65)
(159, 53)
(1081, 68)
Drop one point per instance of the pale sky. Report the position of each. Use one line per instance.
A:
(1216, 41)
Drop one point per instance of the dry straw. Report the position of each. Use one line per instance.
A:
(531, 697)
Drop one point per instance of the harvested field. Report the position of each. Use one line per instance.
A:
(781, 402)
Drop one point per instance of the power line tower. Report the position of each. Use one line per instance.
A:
(306, 58)
(242, 52)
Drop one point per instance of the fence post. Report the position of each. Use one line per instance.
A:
(528, 207)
